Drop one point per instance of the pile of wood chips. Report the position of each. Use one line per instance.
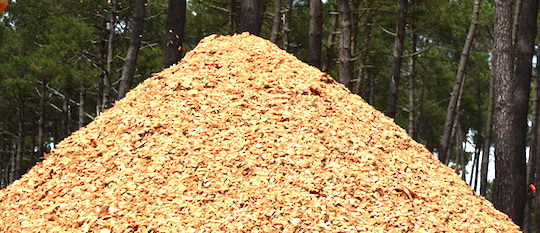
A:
(242, 136)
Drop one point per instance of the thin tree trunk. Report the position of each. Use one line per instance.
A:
(81, 103)
(452, 109)
(476, 165)
(397, 58)
(488, 136)
(20, 140)
(329, 58)
(276, 23)
(315, 32)
(174, 34)
(133, 50)
(510, 166)
(250, 17)
(412, 86)
(41, 137)
(287, 20)
(345, 59)
(536, 178)
(107, 77)
(66, 112)
(233, 9)
(362, 75)
(13, 163)
(461, 149)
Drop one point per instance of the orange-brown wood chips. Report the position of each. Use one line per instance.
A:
(243, 137)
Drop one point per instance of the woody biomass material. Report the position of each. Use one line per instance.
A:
(241, 136)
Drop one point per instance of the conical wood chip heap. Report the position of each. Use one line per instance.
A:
(242, 136)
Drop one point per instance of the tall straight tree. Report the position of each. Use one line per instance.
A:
(329, 56)
(488, 136)
(276, 22)
(345, 59)
(250, 16)
(315, 32)
(133, 50)
(107, 74)
(510, 112)
(174, 34)
(536, 168)
(397, 60)
(287, 20)
(452, 109)
(526, 34)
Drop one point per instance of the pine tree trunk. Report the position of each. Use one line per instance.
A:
(329, 58)
(82, 93)
(364, 84)
(523, 71)
(315, 32)
(174, 34)
(250, 17)
(107, 76)
(397, 58)
(41, 136)
(66, 114)
(233, 9)
(13, 163)
(536, 168)
(20, 140)
(130, 61)
(412, 86)
(345, 59)
(488, 136)
(287, 26)
(276, 23)
(452, 109)
(511, 110)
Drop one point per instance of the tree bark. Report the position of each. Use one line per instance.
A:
(488, 136)
(276, 23)
(174, 34)
(523, 71)
(363, 76)
(397, 58)
(287, 20)
(315, 32)
(233, 9)
(452, 109)
(107, 75)
(133, 50)
(82, 93)
(511, 114)
(250, 17)
(515, 23)
(412, 86)
(536, 168)
(345, 58)
(330, 46)
(20, 140)
(41, 118)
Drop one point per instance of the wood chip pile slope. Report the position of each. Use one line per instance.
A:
(241, 136)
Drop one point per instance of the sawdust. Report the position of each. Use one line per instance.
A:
(241, 136)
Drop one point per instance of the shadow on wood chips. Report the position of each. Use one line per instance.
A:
(242, 136)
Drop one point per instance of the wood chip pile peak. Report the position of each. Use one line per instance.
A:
(242, 136)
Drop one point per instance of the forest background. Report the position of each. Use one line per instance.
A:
(459, 75)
